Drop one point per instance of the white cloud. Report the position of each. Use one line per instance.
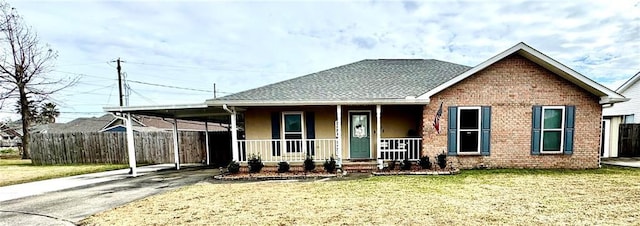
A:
(242, 45)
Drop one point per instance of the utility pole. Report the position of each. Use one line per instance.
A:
(119, 79)
(214, 90)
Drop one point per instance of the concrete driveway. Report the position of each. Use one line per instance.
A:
(622, 161)
(68, 207)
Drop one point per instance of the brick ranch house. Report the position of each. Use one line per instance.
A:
(518, 109)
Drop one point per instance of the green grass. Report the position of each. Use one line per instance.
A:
(17, 171)
(607, 196)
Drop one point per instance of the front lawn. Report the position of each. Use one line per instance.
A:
(16, 171)
(479, 197)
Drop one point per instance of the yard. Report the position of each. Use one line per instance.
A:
(515, 197)
(14, 170)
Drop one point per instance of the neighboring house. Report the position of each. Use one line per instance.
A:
(108, 123)
(518, 109)
(622, 113)
(10, 137)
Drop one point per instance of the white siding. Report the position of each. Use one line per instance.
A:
(627, 108)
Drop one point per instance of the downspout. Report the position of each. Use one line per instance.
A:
(130, 143)
(234, 133)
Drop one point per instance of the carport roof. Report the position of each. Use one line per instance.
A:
(194, 112)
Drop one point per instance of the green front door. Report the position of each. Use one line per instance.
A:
(359, 136)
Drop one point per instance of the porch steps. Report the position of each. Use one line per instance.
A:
(367, 166)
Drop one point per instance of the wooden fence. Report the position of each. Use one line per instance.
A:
(111, 147)
(629, 140)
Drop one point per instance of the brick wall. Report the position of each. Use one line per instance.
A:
(511, 87)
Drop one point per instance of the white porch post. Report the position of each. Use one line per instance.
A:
(339, 135)
(176, 149)
(206, 139)
(234, 137)
(378, 126)
(130, 146)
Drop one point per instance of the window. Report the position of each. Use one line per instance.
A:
(628, 119)
(552, 129)
(468, 130)
(293, 131)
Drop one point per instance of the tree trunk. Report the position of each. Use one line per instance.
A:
(24, 113)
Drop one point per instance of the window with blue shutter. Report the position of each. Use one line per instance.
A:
(552, 130)
(469, 130)
(452, 131)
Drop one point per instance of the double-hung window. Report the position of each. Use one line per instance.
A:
(293, 131)
(552, 129)
(468, 130)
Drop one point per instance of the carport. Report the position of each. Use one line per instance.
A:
(200, 112)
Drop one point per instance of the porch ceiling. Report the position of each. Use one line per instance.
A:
(193, 112)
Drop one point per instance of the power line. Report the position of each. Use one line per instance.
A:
(146, 83)
(168, 86)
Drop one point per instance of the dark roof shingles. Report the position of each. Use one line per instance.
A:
(362, 80)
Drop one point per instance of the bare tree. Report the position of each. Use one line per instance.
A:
(24, 68)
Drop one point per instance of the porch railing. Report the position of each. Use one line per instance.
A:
(400, 148)
(289, 150)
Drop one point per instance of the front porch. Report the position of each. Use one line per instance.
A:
(346, 133)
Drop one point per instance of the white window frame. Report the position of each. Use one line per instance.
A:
(542, 130)
(459, 130)
(285, 133)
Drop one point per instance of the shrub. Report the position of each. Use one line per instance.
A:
(309, 165)
(330, 165)
(442, 160)
(283, 167)
(424, 162)
(255, 164)
(405, 164)
(233, 167)
(392, 165)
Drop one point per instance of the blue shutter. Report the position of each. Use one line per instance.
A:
(536, 119)
(310, 126)
(275, 133)
(452, 131)
(485, 137)
(569, 124)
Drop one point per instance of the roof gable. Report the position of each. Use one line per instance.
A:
(629, 83)
(606, 95)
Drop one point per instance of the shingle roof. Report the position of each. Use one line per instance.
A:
(362, 80)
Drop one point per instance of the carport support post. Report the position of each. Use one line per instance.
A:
(379, 131)
(234, 137)
(130, 146)
(206, 139)
(176, 149)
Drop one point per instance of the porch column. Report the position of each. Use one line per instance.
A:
(379, 131)
(130, 146)
(234, 137)
(176, 155)
(206, 139)
(339, 135)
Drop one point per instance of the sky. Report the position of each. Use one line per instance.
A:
(174, 51)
